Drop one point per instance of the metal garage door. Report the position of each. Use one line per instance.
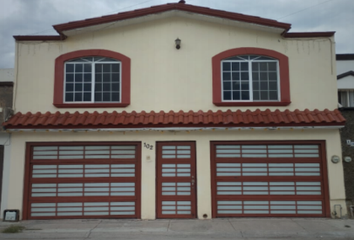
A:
(80, 180)
(269, 179)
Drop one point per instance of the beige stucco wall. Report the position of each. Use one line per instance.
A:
(202, 138)
(164, 78)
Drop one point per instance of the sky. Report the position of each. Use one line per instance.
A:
(36, 17)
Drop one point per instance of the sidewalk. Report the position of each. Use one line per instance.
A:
(229, 228)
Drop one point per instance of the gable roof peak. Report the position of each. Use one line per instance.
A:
(67, 29)
(177, 6)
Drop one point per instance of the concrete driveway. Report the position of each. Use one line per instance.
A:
(228, 228)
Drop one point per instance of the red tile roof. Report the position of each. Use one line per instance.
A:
(143, 119)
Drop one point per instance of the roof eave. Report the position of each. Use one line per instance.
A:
(345, 56)
(346, 74)
(178, 128)
(308, 34)
(39, 37)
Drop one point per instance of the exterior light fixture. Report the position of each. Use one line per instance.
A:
(335, 159)
(178, 43)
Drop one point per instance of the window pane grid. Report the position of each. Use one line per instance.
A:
(107, 84)
(236, 80)
(250, 78)
(264, 81)
(92, 79)
(78, 82)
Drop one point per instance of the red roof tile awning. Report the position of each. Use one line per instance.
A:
(180, 119)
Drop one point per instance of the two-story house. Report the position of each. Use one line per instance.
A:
(175, 111)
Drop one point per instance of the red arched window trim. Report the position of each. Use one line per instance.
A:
(283, 74)
(59, 78)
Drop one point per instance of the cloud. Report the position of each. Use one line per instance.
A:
(36, 17)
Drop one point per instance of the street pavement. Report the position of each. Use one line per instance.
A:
(225, 229)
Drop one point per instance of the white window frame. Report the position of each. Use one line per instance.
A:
(250, 80)
(93, 78)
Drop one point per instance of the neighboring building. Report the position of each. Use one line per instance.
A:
(6, 90)
(116, 118)
(345, 76)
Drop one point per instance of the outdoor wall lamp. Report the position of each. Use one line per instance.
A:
(178, 43)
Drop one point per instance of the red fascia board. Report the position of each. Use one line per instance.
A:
(308, 34)
(168, 7)
(39, 38)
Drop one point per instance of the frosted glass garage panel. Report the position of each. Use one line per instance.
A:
(122, 208)
(44, 190)
(281, 169)
(83, 152)
(228, 151)
(256, 207)
(70, 171)
(68, 209)
(41, 153)
(122, 170)
(307, 169)
(273, 207)
(176, 207)
(254, 151)
(97, 170)
(268, 151)
(44, 171)
(306, 151)
(228, 169)
(123, 189)
(43, 209)
(229, 207)
(309, 207)
(254, 169)
(173, 170)
(229, 188)
(176, 188)
(280, 151)
(173, 152)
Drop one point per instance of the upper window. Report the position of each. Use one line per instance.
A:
(346, 98)
(92, 78)
(250, 77)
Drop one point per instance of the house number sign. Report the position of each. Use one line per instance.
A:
(148, 146)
